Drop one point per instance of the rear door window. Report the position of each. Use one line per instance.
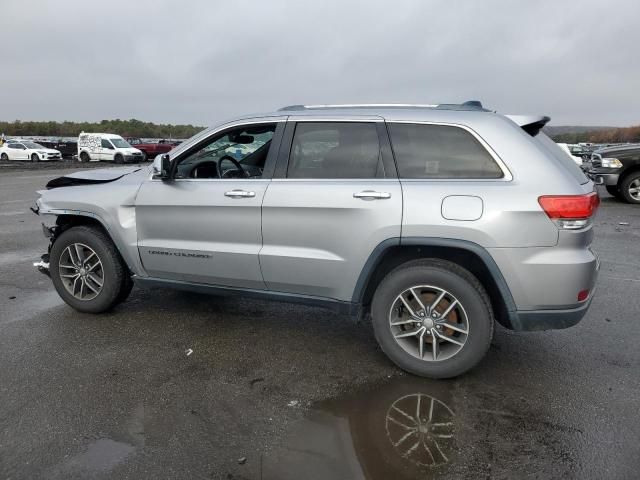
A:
(424, 151)
(335, 150)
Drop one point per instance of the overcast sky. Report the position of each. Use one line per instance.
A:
(203, 61)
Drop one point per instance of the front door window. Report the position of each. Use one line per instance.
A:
(238, 153)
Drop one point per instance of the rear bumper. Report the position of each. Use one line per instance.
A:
(532, 320)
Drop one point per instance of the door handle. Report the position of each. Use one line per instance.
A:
(371, 195)
(239, 194)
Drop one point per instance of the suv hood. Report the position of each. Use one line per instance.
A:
(102, 175)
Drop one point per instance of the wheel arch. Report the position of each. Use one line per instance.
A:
(471, 256)
(66, 221)
(628, 171)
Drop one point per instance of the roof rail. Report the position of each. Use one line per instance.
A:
(469, 105)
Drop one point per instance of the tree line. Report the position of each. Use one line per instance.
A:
(613, 135)
(125, 128)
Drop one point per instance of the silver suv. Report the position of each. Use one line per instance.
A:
(435, 219)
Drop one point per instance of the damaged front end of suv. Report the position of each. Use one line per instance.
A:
(80, 199)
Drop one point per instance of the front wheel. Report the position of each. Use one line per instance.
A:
(4, 157)
(118, 158)
(88, 271)
(432, 318)
(35, 157)
(630, 188)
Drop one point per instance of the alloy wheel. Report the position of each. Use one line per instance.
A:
(429, 323)
(81, 271)
(634, 189)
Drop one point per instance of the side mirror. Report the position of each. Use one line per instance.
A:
(162, 166)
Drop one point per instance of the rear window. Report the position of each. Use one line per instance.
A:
(440, 152)
(561, 157)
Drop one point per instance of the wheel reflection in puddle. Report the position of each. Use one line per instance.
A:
(421, 429)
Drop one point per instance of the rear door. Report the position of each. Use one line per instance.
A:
(15, 151)
(334, 198)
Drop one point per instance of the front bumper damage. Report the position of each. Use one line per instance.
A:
(43, 264)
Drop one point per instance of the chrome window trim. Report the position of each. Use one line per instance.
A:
(199, 180)
(341, 180)
(508, 177)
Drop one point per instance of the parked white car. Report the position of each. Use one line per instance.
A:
(565, 148)
(94, 147)
(25, 150)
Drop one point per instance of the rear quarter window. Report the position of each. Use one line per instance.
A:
(561, 158)
(440, 152)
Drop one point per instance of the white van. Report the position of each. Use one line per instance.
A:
(94, 147)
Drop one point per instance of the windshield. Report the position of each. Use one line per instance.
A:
(32, 145)
(119, 143)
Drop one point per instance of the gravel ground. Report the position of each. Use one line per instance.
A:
(278, 391)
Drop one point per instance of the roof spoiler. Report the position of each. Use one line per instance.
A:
(532, 124)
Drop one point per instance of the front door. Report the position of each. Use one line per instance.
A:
(203, 226)
(106, 150)
(337, 197)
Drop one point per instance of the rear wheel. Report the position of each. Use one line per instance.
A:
(35, 157)
(432, 318)
(87, 270)
(84, 157)
(4, 157)
(630, 187)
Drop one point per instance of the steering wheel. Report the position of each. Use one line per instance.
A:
(239, 168)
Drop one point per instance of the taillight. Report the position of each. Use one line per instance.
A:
(570, 211)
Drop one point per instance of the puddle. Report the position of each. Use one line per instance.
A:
(412, 428)
(100, 456)
(403, 429)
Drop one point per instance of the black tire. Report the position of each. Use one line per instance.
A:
(35, 157)
(84, 157)
(626, 184)
(4, 157)
(118, 158)
(614, 191)
(116, 275)
(464, 286)
(127, 286)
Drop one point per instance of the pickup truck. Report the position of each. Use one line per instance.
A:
(151, 149)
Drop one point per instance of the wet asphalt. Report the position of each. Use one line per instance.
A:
(278, 391)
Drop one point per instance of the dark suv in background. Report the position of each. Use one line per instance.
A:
(618, 169)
